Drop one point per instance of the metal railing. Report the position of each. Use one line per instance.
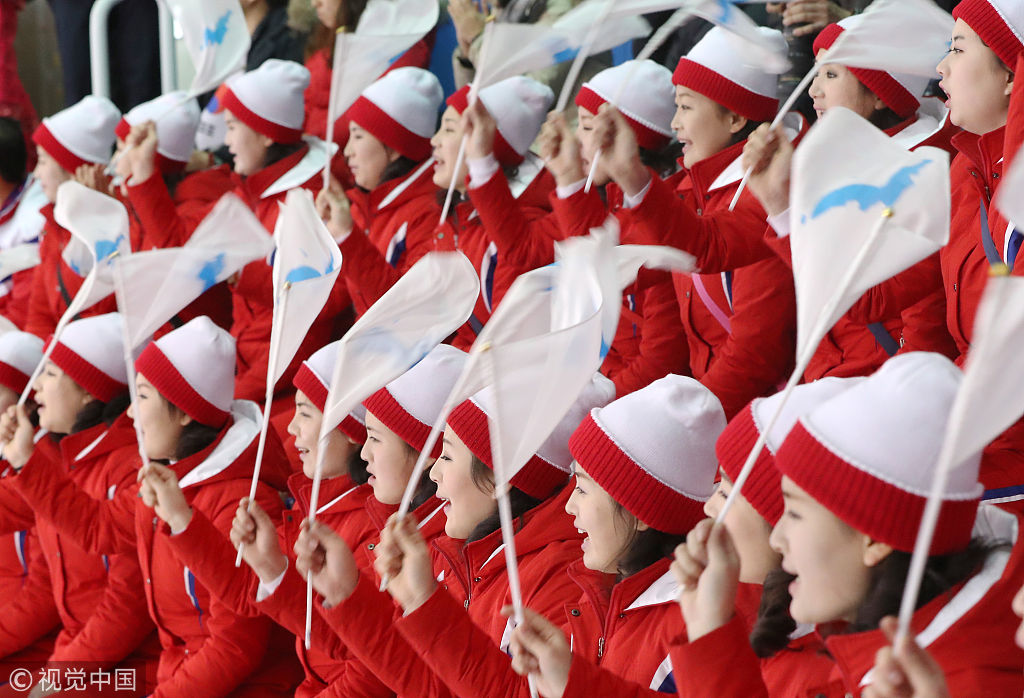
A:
(99, 52)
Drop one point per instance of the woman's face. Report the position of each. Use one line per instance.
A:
(305, 427)
(390, 461)
(60, 399)
(446, 151)
(327, 12)
(49, 173)
(161, 424)
(366, 156)
(248, 146)
(749, 532)
(977, 83)
(836, 86)
(831, 561)
(596, 515)
(466, 505)
(703, 126)
(585, 135)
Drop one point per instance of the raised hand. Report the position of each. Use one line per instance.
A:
(262, 551)
(770, 154)
(469, 22)
(907, 671)
(404, 560)
(560, 151)
(324, 557)
(620, 154)
(539, 649)
(334, 210)
(16, 432)
(478, 127)
(810, 15)
(141, 151)
(94, 177)
(707, 568)
(160, 490)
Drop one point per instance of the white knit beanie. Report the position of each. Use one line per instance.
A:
(869, 454)
(20, 353)
(193, 367)
(653, 451)
(91, 352)
(999, 23)
(721, 68)
(400, 110)
(81, 134)
(270, 100)
(549, 467)
(314, 379)
(410, 404)
(644, 94)
(519, 105)
(176, 118)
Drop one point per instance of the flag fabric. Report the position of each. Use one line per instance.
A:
(307, 261)
(863, 209)
(510, 49)
(216, 38)
(99, 234)
(1009, 197)
(903, 36)
(153, 286)
(630, 258)
(755, 47)
(18, 258)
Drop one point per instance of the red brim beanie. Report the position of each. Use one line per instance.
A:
(270, 100)
(314, 379)
(91, 352)
(519, 105)
(400, 110)
(644, 95)
(82, 134)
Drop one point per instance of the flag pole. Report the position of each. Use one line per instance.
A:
(820, 328)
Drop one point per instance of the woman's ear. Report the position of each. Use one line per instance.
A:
(266, 141)
(875, 552)
(1009, 83)
(183, 419)
(736, 122)
(392, 154)
(641, 526)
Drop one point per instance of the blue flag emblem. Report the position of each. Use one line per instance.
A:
(209, 272)
(306, 272)
(867, 195)
(215, 34)
(106, 248)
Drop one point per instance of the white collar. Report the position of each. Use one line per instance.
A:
(792, 125)
(408, 182)
(527, 171)
(664, 589)
(931, 117)
(312, 162)
(245, 427)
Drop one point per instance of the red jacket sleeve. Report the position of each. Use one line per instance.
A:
(235, 647)
(580, 212)
(105, 527)
(758, 353)
(720, 240)
(161, 226)
(663, 348)
(32, 613)
(891, 297)
(587, 680)
(524, 236)
(720, 663)
(365, 622)
(15, 303)
(40, 319)
(367, 273)
(15, 513)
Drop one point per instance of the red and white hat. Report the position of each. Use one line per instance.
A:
(999, 23)
(270, 100)
(193, 367)
(549, 467)
(763, 487)
(720, 68)
(410, 404)
(400, 110)
(901, 92)
(519, 105)
(20, 353)
(644, 94)
(81, 134)
(91, 353)
(868, 455)
(177, 119)
(653, 451)
(314, 379)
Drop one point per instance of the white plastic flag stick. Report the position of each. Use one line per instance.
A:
(581, 56)
(822, 325)
(265, 425)
(455, 170)
(786, 106)
(989, 400)
(133, 393)
(339, 65)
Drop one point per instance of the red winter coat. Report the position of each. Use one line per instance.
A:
(54, 283)
(161, 220)
(206, 648)
(650, 341)
(96, 595)
(394, 226)
(486, 228)
(755, 354)
(253, 302)
(405, 651)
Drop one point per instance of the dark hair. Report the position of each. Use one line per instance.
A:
(195, 436)
(322, 38)
(885, 591)
(519, 501)
(643, 548)
(426, 488)
(13, 151)
(663, 161)
(356, 468)
(398, 168)
(279, 151)
(95, 412)
(172, 180)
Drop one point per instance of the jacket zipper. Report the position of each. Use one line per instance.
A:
(600, 648)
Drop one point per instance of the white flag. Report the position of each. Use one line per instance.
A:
(18, 258)
(902, 36)
(863, 210)
(216, 38)
(756, 47)
(152, 287)
(1010, 195)
(306, 265)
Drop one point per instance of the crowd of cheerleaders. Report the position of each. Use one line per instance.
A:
(105, 564)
